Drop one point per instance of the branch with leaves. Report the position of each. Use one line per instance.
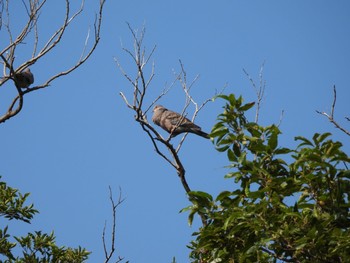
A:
(30, 29)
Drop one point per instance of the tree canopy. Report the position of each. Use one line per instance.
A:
(290, 205)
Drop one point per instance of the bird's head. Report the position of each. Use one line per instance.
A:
(158, 108)
(28, 75)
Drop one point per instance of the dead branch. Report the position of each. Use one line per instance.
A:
(330, 116)
(258, 91)
(110, 253)
(8, 53)
(140, 85)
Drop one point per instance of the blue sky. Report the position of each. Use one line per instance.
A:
(77, 137)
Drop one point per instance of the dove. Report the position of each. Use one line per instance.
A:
(24, 78)
(174, 123)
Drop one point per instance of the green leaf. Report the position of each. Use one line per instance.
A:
(190, 218)
(273, 141)
(232, 99)
(318, 138)
(231, 156)
(283, 151)
(223, 195)
(201, 195)
(223, 148)
(247, 106)
(185, 209)
(223, 96)
(305, 141)
(284, 184)
(222, 131)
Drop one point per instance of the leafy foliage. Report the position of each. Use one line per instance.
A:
(37, 246)
(290, 205)
(12, 204)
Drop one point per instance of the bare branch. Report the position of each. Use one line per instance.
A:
(330, 116)
(125, 74)
(35, 7)
(182, 77)
(140, 85)
(259, 91)
(36, 36)
(8, 53)
(334, 100)
(125, 100)
(110, 253)
(281, 118)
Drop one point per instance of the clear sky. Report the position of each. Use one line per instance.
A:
(77, 137)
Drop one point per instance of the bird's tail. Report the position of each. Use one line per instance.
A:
(201, 133)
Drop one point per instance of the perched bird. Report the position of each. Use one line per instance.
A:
(175, 123)
(24, 78)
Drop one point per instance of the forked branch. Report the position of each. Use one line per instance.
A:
(109, 253)
(330, 116)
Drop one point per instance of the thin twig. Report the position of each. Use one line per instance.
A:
(281, 118)
(334, 101)
(259, 91)
(109, 254)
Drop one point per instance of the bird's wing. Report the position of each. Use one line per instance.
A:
(176, 123)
